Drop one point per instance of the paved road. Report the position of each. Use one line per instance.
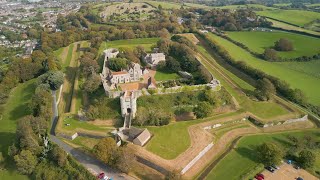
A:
(92, 164)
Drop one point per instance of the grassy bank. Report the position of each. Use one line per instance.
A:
(15, 108)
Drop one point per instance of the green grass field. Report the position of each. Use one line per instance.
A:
(15, 108)
(311, 67)
(243, 159)
(291, 27)
(147, 43)
(257, 41)
(74, 124)
(164, 76)
(165, 5)
(308, 84)
(296, 17)
(245, 6)
(171, 140)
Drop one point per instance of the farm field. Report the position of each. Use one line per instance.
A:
(311, 67)
(242, 160)
(291, 27)
(165, 5)
(308, 84)
(245, 6)
(15, 108)
(127, 12)
(257, 41)
(296, 17)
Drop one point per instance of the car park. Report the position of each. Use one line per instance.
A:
(275, 167)
(269, 168)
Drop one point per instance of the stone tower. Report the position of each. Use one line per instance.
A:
(128, 102)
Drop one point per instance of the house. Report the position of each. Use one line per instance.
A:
(142, 138)
(154, 58)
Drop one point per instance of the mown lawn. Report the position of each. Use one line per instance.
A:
(259, 41)
(147, 43)
(296, 17)
(75, 123)
(243, 158)
(164, 76)
(308, 84)
(171, 140)
(15, 108)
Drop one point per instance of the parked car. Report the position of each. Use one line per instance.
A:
(259, 176)
(296, 167)
(269, 168)
(102, 176)
(299, 178)
(275, 166)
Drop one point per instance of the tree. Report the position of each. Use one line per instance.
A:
(230, 27)
(52, 78)
(172, 64)
(270, 54)
(59, 156)
(283, 45)
(129, 34)
(25, 162)
(105, 149)
(265, 89)
(117, 64)
(269, 153)
(164, 33)
(92, 83)
(307, 159)
(209, 96)
(203, 110)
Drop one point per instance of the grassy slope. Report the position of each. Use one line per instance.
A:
(258, 41)
(297, 17)
(243, 159)
(308, 84)
(246, 6)
(260, 109)
(15, 108)
(311, 67)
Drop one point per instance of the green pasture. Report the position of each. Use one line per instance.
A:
(308, 84)
(245, 7)
(311, 68)
(291, 27)
(265, 110)
(296, 17)
(164, 76)
(258, 41)
(165, 5)
(243, 159)
(15, 108)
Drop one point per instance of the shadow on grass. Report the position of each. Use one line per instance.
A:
(6, 140)
(248, 152)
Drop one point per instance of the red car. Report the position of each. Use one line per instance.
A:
(259, 176)
(101, 176)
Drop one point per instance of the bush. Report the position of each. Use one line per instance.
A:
(283, 45)
(203, 110)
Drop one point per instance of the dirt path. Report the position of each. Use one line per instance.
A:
(64, 54)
